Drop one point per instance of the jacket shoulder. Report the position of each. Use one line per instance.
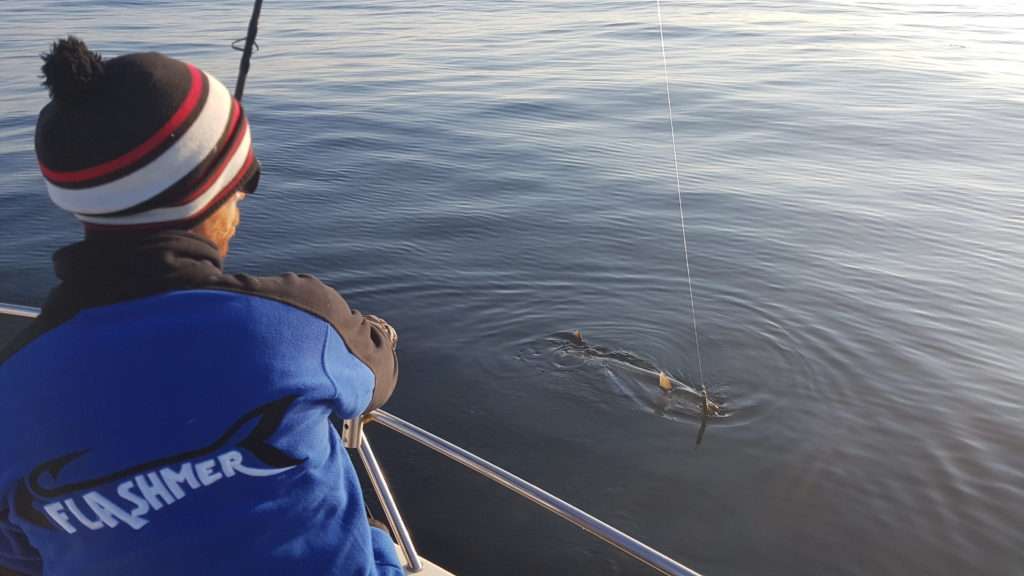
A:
(362, 338)
(302, 291)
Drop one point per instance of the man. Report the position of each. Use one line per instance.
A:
(161, 416)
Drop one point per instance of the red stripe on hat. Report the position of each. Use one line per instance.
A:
(238, 126)
(184, 111)
(231, 188)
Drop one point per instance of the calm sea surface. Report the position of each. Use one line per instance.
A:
(489, 175)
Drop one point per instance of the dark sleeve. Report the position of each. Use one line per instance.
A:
(364, 340)
(17, 556)
(369, 343)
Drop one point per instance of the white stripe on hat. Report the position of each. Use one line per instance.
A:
(153, 178)
(231, 171)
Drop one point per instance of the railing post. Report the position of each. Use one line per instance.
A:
(383, 491)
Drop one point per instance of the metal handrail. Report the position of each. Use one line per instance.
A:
(538, 496)
(19, 311)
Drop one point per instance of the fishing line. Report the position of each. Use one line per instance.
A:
(682, 216)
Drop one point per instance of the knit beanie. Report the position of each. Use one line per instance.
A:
(141, 141)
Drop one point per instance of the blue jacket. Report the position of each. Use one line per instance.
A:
(162, 417)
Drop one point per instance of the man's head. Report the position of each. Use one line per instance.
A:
(142, 142)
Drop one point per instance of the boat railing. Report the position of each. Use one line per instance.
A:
(354, 436)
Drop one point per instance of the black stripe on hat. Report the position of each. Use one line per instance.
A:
(248, 171)
(153, 154)
(179, 192)
(136, 95)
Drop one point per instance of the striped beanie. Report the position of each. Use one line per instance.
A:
(141, 141)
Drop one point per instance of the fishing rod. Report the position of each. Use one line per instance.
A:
(250, 42)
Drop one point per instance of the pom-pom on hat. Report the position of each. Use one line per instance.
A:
(141, 141)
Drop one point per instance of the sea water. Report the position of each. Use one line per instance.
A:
(487, 174)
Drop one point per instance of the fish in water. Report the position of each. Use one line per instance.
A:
(573, 341)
